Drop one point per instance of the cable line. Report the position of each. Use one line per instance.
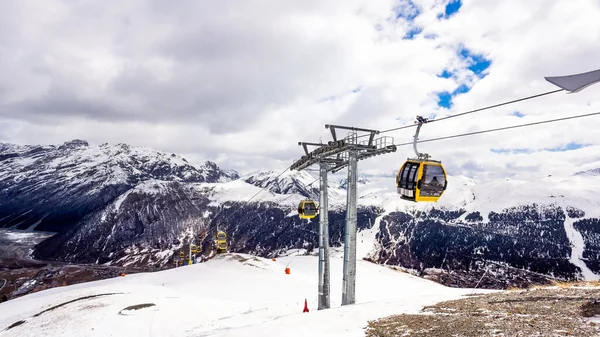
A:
(279, 201)
(500, 129)
(473, 111)
(496, 105)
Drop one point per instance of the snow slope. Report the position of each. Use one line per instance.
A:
(230, 295)
(576, 240)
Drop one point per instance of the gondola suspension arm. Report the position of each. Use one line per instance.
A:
(420, 120)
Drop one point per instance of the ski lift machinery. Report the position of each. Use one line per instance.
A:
(421, 179)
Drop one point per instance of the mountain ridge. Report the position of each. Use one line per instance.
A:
(156, 202)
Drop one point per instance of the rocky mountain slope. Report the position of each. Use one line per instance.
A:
(118, 205)
(52, 188)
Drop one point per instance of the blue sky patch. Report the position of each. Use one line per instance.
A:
(410, 34)
(513, 151)
(445, 74)
(444, 99)
(452, 7)
(463, 88)
(569, 147)
(477, 62)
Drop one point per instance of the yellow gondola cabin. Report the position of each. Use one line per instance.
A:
(421, 179)
(221, 242)
(307, 209)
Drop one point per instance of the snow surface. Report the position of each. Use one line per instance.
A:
(225, 296)
(578, 246)
(241, 191)
(21, 236)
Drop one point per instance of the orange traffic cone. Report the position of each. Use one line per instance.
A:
(305, 306)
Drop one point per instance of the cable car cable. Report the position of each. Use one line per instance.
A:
(501, 129)
(410, 181)
(473, 111)
(280, 201)
(496, 105)
(210, 229)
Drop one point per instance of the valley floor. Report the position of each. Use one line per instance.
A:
(21, 275)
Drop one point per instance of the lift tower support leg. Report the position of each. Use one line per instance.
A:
(324, 289)
(349, 285)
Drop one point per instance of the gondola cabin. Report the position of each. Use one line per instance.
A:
(421, 180)
(221, 242)
(307, 209)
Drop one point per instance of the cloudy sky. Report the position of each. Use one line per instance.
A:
(241, 82)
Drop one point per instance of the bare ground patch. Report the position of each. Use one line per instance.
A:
(536, 312)
(136, 307)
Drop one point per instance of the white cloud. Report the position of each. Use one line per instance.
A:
(242, 82)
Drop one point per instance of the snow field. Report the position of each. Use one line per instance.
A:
(231, 295)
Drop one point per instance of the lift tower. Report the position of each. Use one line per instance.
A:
(332, 157)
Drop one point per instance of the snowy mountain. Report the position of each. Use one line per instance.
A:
(92, 196)
(143, 225)
(51, 188)
(360, 180)
(118, 205)
(290, 182)
(590, 172)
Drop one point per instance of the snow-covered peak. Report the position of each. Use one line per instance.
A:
(112, 164)
(73, 144)
(215, 174)
(590, 172)
(289, 182)
(360, 180)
